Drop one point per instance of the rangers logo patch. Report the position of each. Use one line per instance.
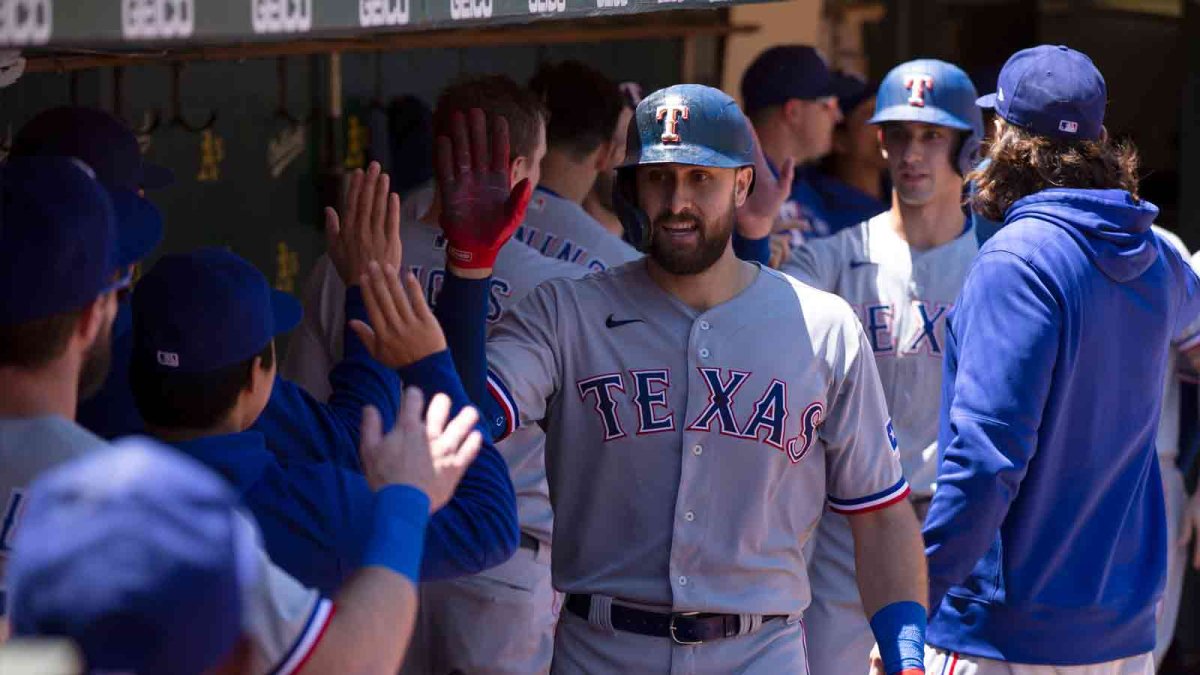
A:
(669, 114)
(917, 85)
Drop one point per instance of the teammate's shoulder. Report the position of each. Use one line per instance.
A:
(813, 303)
(518, 259)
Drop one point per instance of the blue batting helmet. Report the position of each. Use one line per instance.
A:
(933, 92)
(682, 124)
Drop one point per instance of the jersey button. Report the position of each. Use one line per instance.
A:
(697, 450)
(683, 581)
(689, 516)
(703, 353)
(704, 325)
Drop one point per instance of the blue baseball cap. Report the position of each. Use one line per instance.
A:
(851, 90)
(138, 554)
(111, 149)
(1052, 91)
(783, 73)
(201, 311)
(58, 237)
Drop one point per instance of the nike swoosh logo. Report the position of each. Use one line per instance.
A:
(613, 323)
(855, 264)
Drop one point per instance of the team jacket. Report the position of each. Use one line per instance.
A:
(297, 470)
(1046, 538)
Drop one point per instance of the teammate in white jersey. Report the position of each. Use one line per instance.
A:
(516, 599)
(901, 271)
(585, 136)
(699, 411)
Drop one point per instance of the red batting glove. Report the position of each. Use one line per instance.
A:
(479, 209)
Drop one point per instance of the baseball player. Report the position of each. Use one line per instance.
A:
(519, 589)
(901, 271)
(851, 179)
(109, 147)
(1046, 537)
(690, 452)
(585, 136)
(788, 92)
(61, 229)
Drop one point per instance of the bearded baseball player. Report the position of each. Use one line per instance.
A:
(901, 271)
(690, 452)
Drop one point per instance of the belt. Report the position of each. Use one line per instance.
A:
(684, 628)
(530, 542)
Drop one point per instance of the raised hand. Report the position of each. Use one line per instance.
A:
(479, 208)
(370, 228)
(431, 456)
(403, 329)
(756, 217)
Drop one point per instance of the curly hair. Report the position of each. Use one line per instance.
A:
(1023, 163)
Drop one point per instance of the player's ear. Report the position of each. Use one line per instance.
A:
(742, 180)
(518, 170)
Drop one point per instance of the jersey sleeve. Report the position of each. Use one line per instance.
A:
(815, 263)
(316, 344)
(523, 362)
(862, 463)
(283, 620)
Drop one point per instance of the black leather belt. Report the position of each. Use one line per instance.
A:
(684, 628)
(530, 542)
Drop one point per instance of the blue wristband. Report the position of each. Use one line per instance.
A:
(753, 250)
(899, 631)
(398, 534)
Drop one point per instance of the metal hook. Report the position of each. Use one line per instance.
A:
(281, 109)
(150, 118)
(177, 119)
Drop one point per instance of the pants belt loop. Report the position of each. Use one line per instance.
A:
(600, 613)
(750, 623)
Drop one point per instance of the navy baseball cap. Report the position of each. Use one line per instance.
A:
(138, 554)
(851, 90)
(110, 148)
(1051, 90)
(783, 73)
(58, 237)
(201, 311)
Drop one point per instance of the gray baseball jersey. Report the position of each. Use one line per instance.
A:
(902, 297)
(559, 228)
(693, 452)
(282, 619)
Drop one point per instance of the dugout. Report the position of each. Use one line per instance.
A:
(259, 105)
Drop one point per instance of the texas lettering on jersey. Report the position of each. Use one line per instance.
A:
(928, 337)
(647, 391)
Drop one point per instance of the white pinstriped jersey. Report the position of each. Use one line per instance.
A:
(902, 297)
(692, 453)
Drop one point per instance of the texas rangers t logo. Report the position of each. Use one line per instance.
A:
(917, 85)
(669, 115)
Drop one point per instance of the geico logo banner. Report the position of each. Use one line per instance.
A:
(281, 16)
(157, 19)
(470, 9)
(382, 12)
(604, 4)
(24, 22)
(547, 6)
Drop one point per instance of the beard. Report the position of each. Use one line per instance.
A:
(96, 364)
(712, 240)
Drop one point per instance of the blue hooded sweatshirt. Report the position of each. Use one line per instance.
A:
(1046, 538)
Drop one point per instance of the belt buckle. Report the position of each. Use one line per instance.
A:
(674, 637)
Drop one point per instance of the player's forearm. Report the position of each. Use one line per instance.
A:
(372, 626)
(479, 527)
(375, 610)
(462, 311)
(889, 557)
